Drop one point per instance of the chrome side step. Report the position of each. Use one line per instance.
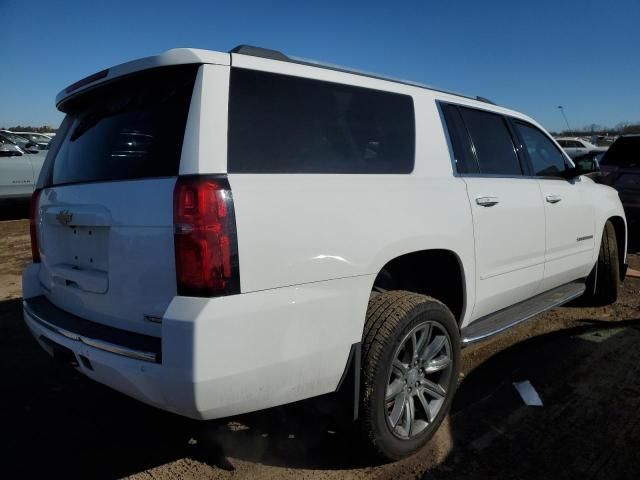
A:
(508, 317)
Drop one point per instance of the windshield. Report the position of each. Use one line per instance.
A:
(625, 152)
(131, 128)
(17, 139)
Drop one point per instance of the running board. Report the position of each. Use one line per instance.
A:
(508, 317)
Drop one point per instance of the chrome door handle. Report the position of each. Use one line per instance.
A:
(487, 201)
(553, 198)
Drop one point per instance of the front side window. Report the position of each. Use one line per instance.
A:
(492, 142)
(546, 159)
(286, 124)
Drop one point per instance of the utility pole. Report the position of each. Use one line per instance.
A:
(565, 117)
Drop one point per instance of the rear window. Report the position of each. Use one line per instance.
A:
(625, 152)
(492, 141)
(128, 129)
(284, 124)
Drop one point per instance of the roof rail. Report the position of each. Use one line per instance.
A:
(276, 55)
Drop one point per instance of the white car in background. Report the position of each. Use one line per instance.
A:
(19, 169)
(576, 147)
(42, 141)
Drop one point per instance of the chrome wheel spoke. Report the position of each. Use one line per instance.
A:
(414, 346)
(394, 389)
(438, 364)
(433, 389)
(410, 415)
(425, 406)
(399, 367)
(397, 410)
(424, 338)
(433, 348)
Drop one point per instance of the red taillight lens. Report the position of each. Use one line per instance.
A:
(205, 238)
(35, 251)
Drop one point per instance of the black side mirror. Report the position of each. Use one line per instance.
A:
(581, 168)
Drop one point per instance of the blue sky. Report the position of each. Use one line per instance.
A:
(584, 55)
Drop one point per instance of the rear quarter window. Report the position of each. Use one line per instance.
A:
(285, 124)
(128, 129)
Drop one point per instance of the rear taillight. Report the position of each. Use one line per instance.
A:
(206, 245)
(35, 251)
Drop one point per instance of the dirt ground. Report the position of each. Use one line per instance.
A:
(584, 362)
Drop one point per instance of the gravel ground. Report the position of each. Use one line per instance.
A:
(584, 362)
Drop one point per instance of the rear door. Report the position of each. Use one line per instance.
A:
(569, 210)
(508, 215)
(105, 216)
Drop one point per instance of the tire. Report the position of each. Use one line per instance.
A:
(604, 279)
(394, 320)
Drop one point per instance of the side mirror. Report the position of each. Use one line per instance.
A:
(583, 166)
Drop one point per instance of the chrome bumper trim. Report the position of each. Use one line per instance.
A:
(91, 342)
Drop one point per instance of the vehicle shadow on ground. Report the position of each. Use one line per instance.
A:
(14, 210)
(55, 421)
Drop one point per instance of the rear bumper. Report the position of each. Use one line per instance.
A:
(101, 337)
(218, 357)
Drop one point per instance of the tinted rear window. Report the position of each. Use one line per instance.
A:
(463, 154)
(625, 152)
(492, 141)
(284, 124)
(131, 128)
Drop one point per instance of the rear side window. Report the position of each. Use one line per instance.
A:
(492, 141)
(463, 155)
(128, 129)
(546, 159)
(284, 124)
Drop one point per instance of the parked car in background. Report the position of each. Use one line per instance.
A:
(27, 146)
(218, 233)
(19, 169)
(620, 169)
(575, 146)
(38, 138)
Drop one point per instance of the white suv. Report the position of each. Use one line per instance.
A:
(218, 233)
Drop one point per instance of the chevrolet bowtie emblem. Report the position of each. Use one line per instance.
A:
(64, 217)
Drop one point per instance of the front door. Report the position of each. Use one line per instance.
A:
(568, 210)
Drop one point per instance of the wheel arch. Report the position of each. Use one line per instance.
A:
(620, 228)
(409, 271)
